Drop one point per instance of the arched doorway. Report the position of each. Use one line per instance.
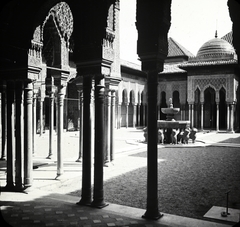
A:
(209, 108)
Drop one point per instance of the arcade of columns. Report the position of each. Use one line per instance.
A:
(94, 57)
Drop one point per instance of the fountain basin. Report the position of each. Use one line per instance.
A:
(170, 110)
(162, 124)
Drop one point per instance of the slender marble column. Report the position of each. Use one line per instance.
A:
(112, 126)
(18, 135)
(51, 124)
(192, 120)
(152, 211)
(134, 115)
(217, 117)
(228, 117)
(202, 113)
(144, 114)
(119, 115)
(10, 134)
(60, 100)
(108, 125)
(127, 115)
(34, 112)
(139, 114)
(232, 117)
(80, 127)
(189, 113)
(98, 193)
(86, 197)
(28, 163)
(3, 128)
(41, 99)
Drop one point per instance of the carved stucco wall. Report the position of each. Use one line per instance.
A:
(170, 87)
(226, 81)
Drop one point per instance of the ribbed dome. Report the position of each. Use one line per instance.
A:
(215, 48)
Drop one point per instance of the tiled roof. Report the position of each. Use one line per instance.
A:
(206, 63)
(172, 68)
(175, 49)
(228, 38)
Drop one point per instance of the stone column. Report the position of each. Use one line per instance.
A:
(108, 125)
(152, 151)
(217, 117)
(60, 100)
(192, 114)
(139, 114)
(228, 117)
(28, 163)
(232, 117)
(98, 194)
(80, 126)
(134, 115)
(41, 100)
(119, 115)
(19, 134)
(10, 136)
(86, 197)
(189, 113)
(112, 126)
(51, 123)
(202, 113)
(50, 89)
(34, 111)
(144, 114)
(3, 119)
(127, 115)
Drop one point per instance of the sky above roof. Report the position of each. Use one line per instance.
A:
(193, 23)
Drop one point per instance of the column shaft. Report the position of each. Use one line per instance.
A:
(192, 115)
(217, 117)
(228, 117)
(51, 124)
(112, 127)
(232, 118)
(98, 194)
(86, 197)
(34, 122)
(18, 135)
(127, 115)
(10, 136)
(60, 130)
(202, 113)
(152, 211)
(108, 125)
(28, 163)
(3, 128)
(119, 115)
(80, 126)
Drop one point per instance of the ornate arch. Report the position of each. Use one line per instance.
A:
(63, 20)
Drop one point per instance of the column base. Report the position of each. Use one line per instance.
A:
(84, 202)
(99, 204)
(152, 215)
(79, 160)
(49, 156)
(3, 159)
(9, 187)
(59, 176)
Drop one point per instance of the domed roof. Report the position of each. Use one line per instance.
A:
(214, 49)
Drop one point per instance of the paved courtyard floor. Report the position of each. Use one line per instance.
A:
(192, 179)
